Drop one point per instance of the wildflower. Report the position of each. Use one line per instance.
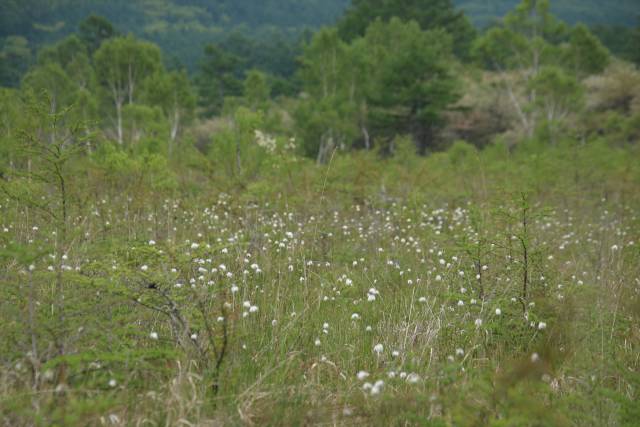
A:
(413, 378)
(355, 316)
(153, 335)
(144, 267)
(478, 323)
(152, 242)
(459, 352)
(253, 309)
(317, 342)
(362, 375)
(112, 383)
(535, 358)
(377, 387)
(541, 326)
(378, 348)
(498, 312)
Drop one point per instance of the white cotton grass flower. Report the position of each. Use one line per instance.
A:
(152, 242)
(498, 312)
(153, 335)
(144, 267)
(355, 316)
(478, 322)
(413, 378)
(362, 375)
(377, 387)
(542, 326)
(535, 358)
(378, 349)
(253, 309)
(317, 342)
(113, 383)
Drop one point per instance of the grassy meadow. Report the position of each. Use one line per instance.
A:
(468, 288)
(220, 213)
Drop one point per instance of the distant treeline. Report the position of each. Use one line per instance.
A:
(265, 34)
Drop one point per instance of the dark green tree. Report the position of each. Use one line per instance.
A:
(94, 30)
(585, 54)
(429, 14)
(412, 80)
(257, 90)
(15, 58)
(218, 78)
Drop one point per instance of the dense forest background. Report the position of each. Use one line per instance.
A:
(266, 33)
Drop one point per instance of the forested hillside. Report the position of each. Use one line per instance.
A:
(183, 27)
(591, 12)
(180, 27)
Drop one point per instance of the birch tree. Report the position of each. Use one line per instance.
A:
(122, 64)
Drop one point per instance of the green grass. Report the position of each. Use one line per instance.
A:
(309, 250)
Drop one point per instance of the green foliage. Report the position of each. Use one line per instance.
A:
(94, 30)
(529, 52)
(412, 82)
(395, 80)
(121, 65)
(485, 13)
(430, 15)
(234, 151)
(174, 94)
(256, 90)
(218, 78)
(15, 58)
(586, 55)
(242, 283)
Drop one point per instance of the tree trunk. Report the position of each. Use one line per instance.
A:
(119, 119)
(367, 138)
